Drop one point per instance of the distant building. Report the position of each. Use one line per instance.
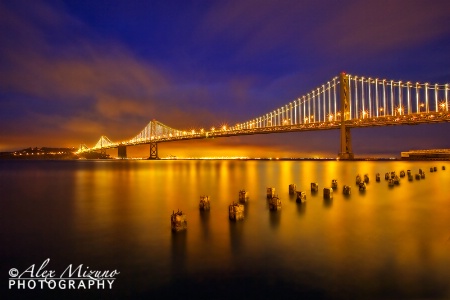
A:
(432, 154)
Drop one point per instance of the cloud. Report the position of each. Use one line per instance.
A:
(115, 107)
(77, 84)
(81, 126)
(380, 26)
(73, 76)
(78, 79)
(304, 35)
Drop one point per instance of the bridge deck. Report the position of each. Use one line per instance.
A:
(410, 119)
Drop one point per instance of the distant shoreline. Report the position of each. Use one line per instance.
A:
(4, 158)
(46, 153)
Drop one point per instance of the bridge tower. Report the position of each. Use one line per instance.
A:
(346, 152)
(153, 145)
(102, 150)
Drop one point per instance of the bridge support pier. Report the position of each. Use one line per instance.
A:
(346, 144)
(346, 152)
(153, 151)
(122, 152)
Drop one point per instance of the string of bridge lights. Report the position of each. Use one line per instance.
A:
(369, 98)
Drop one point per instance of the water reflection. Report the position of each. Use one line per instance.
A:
(178, 262)
(362, 192)
(381, 239)
(384, 242)
(274, 218)
(236, 236)
(327, 202)
(205, 223)
(301, 208)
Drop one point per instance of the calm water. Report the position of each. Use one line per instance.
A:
(383, 243)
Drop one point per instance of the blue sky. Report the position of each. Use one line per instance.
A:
(71, 71)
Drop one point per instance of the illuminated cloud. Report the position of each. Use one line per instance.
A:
(115, 107)
(82, 88)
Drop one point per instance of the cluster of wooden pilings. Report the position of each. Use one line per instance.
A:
(236, 209)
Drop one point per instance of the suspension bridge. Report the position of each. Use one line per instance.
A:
(345, 102)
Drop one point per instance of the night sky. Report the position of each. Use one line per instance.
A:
(71, 71)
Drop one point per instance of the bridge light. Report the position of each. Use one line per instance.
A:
(224, 127)
(364, 114)
(442, 106)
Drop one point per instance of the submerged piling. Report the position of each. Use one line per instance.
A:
(274, 203)
(328, 193)
(178, 221)
(347, 190)
(292, 189)
(204, 203)
(236, 211)
(301, 197)
(243, 196)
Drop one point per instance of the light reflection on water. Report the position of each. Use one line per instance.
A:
(384, 242)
